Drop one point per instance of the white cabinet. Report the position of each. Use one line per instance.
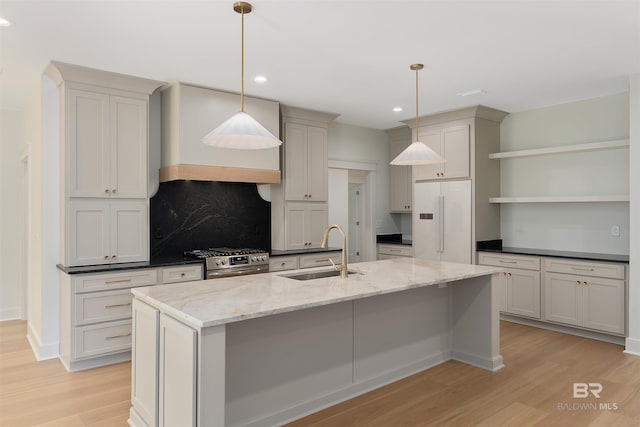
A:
(305, 224)
(592, 297)
(452, 143)
(107, 137)
(101, 232)
(306, 172)
(400, 181)
(518, 285)
(388, 251)
(294, 262)
(442, 221)
(96, 315)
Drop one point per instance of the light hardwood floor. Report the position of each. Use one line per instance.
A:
(534, 389)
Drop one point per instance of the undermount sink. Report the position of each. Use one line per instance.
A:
(316, 274)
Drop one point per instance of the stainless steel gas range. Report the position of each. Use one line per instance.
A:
(228, 262)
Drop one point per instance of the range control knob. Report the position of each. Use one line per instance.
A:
(254, 258)
(220, 262)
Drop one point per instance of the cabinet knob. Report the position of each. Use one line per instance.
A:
(509, 274)
(585, 283)
(114, 191)
(106, 190)
(283, 264)
(182, 274)
(578, 282)
(113, 257)
(106, 257)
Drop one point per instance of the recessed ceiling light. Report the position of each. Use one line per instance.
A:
(397, 109)
(260, 79)
(473, 92)
(5, 22)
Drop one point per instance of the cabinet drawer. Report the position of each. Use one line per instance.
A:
(397, 250)
(319, 260)
(101, 339)
(511, 261)
(585, 268)
(102, 306)
(126, 279)
(183, 273)
(283, 263)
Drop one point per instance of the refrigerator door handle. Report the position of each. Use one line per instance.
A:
(441, 224)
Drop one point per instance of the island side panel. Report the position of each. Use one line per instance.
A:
(476, 323)
(211, 376)
(398, 334)
(283, 366)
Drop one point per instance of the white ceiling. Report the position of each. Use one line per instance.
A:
(346, 57)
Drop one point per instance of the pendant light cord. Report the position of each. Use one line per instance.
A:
(417, 104)
(242, 66)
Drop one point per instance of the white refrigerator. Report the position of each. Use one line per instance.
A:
(442, 221)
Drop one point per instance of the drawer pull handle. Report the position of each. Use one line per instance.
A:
(283, 264)
(113, 337)
(108, 282)
(582, 269)
(508, 262)
(117, 305)
(182, 274)
(322, 260)
(395, 250)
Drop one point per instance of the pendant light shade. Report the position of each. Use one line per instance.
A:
(418, 153)
(241, 131)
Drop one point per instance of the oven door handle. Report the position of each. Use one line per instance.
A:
(228, 272)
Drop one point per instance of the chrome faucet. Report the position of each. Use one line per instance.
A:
(325, 241)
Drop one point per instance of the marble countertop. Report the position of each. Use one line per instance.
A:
(280, 252)
(207, 303)
(165, 261)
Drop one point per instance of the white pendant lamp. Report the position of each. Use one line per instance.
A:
(241, 131)
(418, 153)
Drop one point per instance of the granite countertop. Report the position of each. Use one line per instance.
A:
(165, 261)
(496, 246)
(279, 252)
(214, 302)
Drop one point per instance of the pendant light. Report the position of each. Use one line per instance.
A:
(241, 131)
(418, 153)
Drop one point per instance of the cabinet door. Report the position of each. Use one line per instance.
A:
(144, 361)
(296, 174)
(400, 181)
(433, 139)
(177, 374)
(128, 170)
(296, 223)
(523, 292)
(455, 222)
(455, 149)
(317, 164)
(563, 299)
(129, 232)
(426, 217)
(603, 304)
(88, 233)
(317, 223)
(88, 138)
(500, 285)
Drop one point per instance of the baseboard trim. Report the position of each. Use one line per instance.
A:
(41, 351)
(632, 346)
(494, 364)
(613, 339)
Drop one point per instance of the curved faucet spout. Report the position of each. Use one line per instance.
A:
(325, 240)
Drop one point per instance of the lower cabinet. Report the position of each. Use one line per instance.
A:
(162, 343)
(96, 312)
(586, 300)
(388, 251)
(518, 285)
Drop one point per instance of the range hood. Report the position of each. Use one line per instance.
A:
(189, 113)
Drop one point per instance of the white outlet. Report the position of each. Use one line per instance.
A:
(615, 230)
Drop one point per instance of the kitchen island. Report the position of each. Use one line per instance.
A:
(265, 349)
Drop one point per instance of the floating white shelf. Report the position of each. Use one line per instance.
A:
(561, 199)
(592, 146)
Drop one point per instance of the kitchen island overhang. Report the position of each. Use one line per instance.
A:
(266, 349)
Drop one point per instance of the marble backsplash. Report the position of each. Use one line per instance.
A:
(198, 214)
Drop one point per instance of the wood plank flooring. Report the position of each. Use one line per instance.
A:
(534, 389)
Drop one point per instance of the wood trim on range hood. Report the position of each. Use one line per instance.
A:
(219, 173)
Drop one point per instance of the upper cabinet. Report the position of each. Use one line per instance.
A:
(103, 119)
(107, 136)
(400, 185)
(305, 162)
(451, 142)
(191, 112)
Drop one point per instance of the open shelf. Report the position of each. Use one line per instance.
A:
(561, 199)
(592, 146)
